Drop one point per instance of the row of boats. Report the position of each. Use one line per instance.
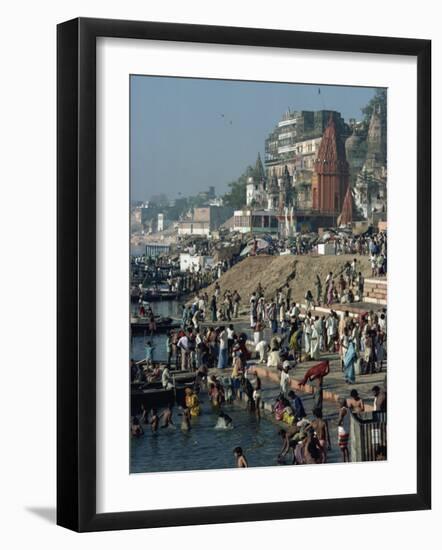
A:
(152, 394)
(143, 325)
(152, 294)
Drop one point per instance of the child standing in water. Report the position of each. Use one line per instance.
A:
(241, 461)
(149, 348)
(154, 421)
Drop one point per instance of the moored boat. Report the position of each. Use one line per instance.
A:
(139, 325)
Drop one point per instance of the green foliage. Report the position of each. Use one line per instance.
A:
(380, 98)
(237, 195)
(159, 200)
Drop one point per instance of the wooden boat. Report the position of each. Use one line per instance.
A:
(152, 394)
(158, 295)
(154, 397)
(140, 325)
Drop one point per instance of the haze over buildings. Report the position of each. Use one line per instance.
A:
(189, 134)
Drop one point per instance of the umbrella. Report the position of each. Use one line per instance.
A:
(261, 245)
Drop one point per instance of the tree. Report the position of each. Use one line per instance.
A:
(159, 200)
(380, 98)
(237, 196)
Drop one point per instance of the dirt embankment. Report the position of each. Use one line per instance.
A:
(274, 272)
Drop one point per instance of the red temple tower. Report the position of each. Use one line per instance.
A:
(331, 172)
(347, 215)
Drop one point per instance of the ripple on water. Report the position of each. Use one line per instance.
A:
(205, 447)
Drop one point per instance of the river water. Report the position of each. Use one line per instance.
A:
(165, 308)
(205, 447)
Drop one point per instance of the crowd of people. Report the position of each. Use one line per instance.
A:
(299, 335)
(343, 242)
(282, 334)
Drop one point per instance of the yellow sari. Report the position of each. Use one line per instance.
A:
(193, 404)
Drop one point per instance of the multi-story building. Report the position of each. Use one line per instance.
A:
(292, 148)
(255, 221)
(294, 139)
(204, 220)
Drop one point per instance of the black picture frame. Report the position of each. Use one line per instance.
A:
(76, 273)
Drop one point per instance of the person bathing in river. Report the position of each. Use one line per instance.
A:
(224, 421)
(249, 391)
(312, 449)
(192, 402)
(241, 461)
(257, 396)
(167, 417)
(136, 428)
(320, 427)
(287, 443)
(154, 421)
(185, 421)
(214, 395)
(144, 414)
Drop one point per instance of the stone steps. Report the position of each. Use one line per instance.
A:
(375, 291)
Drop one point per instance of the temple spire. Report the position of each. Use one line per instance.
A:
(259, 169)
(346, 215)
(331, 172)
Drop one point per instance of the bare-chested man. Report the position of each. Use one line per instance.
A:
(167, 417)
(287, 442)
(320, 427)
(355, 402)
(344, 429)
(241, 461)
(136, 428)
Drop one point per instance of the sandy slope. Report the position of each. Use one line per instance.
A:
(275, 271)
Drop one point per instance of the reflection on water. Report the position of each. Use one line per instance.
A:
(205, 447)
(165, 308)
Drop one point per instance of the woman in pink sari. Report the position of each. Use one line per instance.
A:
(278, 409)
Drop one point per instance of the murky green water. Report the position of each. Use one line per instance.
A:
(205, 447)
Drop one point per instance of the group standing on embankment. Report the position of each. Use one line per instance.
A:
(222, 347)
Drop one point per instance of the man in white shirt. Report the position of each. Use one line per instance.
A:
(165, 378)
(285, 378)
(183, 344)
(223, 347)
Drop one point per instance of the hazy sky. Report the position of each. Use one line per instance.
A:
(181, 143)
